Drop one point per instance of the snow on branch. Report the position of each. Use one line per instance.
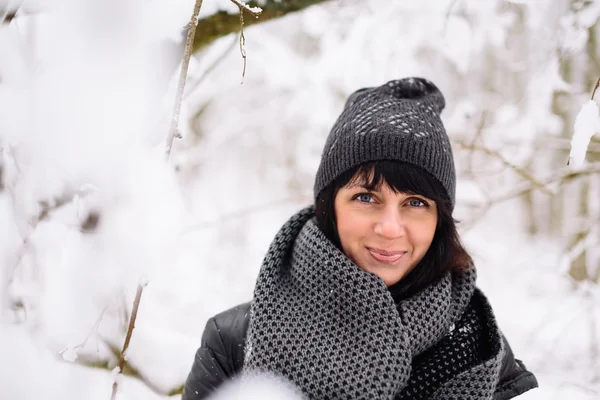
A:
(254, 11)
(223, 23)
(185, 63)
(587, 124)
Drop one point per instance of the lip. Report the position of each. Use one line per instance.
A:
(385, 256)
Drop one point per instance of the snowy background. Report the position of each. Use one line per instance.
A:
(89, 207)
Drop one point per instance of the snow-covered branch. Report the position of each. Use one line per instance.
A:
(131, 326)
(187, 53)
(225, 22)
(587, 124)
(254, 11)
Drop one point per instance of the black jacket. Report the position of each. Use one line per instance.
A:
(221, 356)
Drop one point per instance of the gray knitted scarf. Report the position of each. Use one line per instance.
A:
(334, 331)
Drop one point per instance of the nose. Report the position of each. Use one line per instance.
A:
(390, 224)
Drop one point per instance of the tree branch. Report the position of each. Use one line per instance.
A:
(448, 14)
(254, 11)
(595, 88)
(560, 178)
(242, 213)
(10, 12)
(520, 171)
(173, 132)
(563, 176)
(223, 23)
(243, 43)
(134, 311)
(6, 16)
(478, 133)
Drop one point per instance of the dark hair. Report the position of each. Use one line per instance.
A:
(446, 253)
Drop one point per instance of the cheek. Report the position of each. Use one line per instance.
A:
(346, 229)
(426, 233)
(351, 228)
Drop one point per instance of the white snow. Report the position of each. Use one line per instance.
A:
(587, 124)
(69, 354)
(258, 388)
(84, 117)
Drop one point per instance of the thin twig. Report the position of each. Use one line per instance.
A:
(555, 143)
(562, 177)
(478, 133)
(254, 11)
(242, 43)
(243, 213)
(26, 245)
(4, 15)
(585, 241)
(522, 172)
(90, 333)
(595, 88)
(187, 53)
(568, 252)
(134, 311)
(7, 14)
(448, 13)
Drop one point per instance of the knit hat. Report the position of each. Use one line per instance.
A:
(396, 121)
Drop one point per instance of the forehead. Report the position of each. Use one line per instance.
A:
(362, 181)
(362, 184)
(367, 179)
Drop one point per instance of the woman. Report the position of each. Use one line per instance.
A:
(369, 293)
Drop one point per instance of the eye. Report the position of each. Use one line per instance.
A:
(364, 198)
(417, 203)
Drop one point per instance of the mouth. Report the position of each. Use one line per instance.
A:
(385, 256)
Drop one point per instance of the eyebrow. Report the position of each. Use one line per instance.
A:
(378, 189)
(361, 186)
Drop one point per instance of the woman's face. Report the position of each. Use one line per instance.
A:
(384, 232)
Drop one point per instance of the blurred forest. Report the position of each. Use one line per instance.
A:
(88, 205)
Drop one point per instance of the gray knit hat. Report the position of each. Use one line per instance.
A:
(396, 121)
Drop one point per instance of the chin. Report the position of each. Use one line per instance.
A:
(391, 281)
(387, 278)
(394, 277)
